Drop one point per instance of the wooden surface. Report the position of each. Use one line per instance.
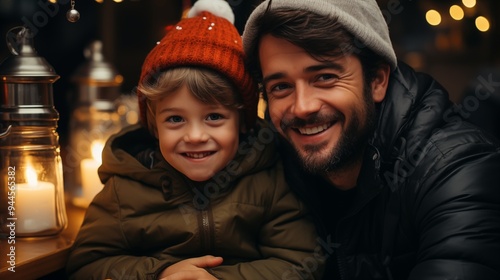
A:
(38, 257)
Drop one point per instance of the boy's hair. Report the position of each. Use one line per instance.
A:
(320, 36)
(206, 85)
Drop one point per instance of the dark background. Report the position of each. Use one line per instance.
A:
(453, 52)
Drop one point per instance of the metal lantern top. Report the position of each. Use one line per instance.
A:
(98, 83)
(25, 65)
(26, 79)
(96, 70)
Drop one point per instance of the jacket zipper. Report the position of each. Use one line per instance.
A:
(204, 222)
(205, 234)
(340, 257)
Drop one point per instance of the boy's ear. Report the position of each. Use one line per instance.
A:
(380, 83)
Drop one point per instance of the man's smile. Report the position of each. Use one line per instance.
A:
(313, 130)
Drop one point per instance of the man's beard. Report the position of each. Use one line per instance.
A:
(350, 146)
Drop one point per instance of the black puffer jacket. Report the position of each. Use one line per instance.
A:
(427, 201)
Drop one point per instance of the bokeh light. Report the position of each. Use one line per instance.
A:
(482, 24)
(456, 12)
(469, 3)
(433, 17)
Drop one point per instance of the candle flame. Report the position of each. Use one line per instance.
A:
(96, 149)
(31, 176)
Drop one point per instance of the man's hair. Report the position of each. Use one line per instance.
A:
(320, 36)
(206, 85)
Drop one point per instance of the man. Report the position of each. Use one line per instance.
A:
(400, 186)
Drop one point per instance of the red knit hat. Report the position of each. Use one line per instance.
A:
(207, 38)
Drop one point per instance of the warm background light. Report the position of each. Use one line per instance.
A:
(456, 12)
(469, 3)
(96, 150)
(433, 17)
(261, 108)
(482, 24)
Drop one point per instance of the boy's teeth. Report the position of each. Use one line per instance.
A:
(197, 155)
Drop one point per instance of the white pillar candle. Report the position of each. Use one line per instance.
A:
(35, 205)
(91, 184)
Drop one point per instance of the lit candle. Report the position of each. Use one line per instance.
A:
(91, 184)
(35, 204)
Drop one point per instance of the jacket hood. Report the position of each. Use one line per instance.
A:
(414, 107)
(133, 153)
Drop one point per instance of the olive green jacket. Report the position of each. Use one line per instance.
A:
(149, 216)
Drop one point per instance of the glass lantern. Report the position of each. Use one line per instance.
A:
(32, 192)
(94, 119)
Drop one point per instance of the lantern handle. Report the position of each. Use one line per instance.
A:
(14, 41)
(6, 132)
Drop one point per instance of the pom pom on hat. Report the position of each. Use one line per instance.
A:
(218, 8)
(204, 39)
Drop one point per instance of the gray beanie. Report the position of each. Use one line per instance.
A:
(362, 18)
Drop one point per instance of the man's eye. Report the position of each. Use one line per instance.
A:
(175, 119)
(279, 87)
(214, 117)
(327, 77)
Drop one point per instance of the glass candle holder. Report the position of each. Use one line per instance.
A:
(89, 130)
(94, 118)
(32, 194)
(32, 200)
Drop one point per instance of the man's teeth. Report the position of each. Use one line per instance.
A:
(198, 155)
(313, 130)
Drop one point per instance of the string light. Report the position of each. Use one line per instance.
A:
(433, 17)
(456, 12)
(482, 24)
(469, 3)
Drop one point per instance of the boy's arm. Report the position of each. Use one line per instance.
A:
(287, 242)
(101, 250)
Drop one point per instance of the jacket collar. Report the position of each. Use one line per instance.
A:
(415, 106)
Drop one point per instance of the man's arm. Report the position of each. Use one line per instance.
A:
(457, 216)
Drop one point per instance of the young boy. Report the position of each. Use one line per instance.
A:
(202, 195)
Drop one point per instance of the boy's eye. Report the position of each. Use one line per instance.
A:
(175, 119)
(214, 117)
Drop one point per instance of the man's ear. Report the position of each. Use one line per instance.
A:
(380, 83)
